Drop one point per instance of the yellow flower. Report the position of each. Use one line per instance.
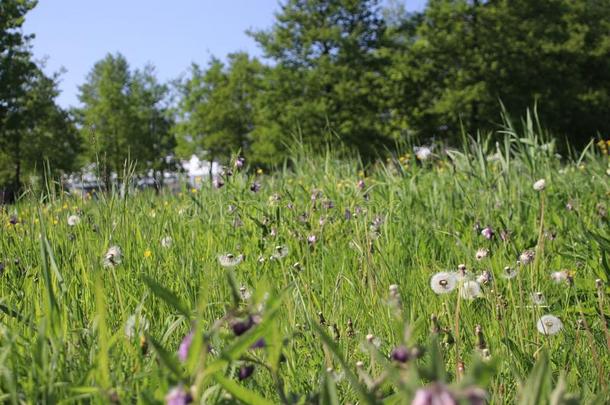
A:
(259, 171)
(65, 206)
(55, 221)
(147, 253)
(193, 190)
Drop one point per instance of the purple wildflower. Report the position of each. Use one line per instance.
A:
(241, 327)
(259, 344)
(240, 162)
(255, 187)
(245, 372)
(400, 354)
(435, 394)
(488, 233)
(178, 396)
(185, 345)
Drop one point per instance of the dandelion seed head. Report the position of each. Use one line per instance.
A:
(281, 251)
(538, 298)
(482, 253)
(113, 257)
(167, 242)
(559, 276)
(539, 185)
(443, 282)
(549, 325)
(471, 290)
(527, 257)
(485, 277)
(230, 260)
(422, 152)
(509, 273)
(73, 220)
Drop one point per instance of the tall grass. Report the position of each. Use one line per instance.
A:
(334, 326)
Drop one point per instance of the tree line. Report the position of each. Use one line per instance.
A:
(359, 75)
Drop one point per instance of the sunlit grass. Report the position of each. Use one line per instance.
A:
(322, 243)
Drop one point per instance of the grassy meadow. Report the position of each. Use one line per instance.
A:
(318, 284)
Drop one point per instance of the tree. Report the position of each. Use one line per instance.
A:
(464, 57)
(155, 123)
(326, 78)
(217, 106)
(34, 132)
(124, 118)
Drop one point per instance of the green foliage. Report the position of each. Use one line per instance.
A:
(325, 85)
(75, 329)
(36, 136)
(124, 117)
(465, 56)
(216, 107)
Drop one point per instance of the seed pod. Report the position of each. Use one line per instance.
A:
(350, 328)
(322, 319)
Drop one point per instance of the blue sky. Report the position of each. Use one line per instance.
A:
(74, 34)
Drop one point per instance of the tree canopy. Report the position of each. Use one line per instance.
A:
(360, 75)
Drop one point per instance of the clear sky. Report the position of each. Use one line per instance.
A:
(74, 34)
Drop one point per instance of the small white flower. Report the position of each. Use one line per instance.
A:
(509, 273)
(471, 290)
(538, 298)
(166, 242)
(113, 257)
(73, 220)
(482, 253)
(549, 324)
(280, 252)
(539, 185)
(230, 260)
(443, 282)
(559, 276)
(422, 152)
(527, 257)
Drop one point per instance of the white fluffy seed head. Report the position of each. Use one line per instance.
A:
(422, 152)
(443, 282)
(471, 290)
(482, 253)
(73, 220)
(280, 252)
(113, 256)
(527, 257)
(539, 185)
(166, 242)
(549, 325)
(509, 273)
(538, 298)
(230, 260)
(559, 276)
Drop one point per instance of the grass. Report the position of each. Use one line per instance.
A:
(72, 330)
